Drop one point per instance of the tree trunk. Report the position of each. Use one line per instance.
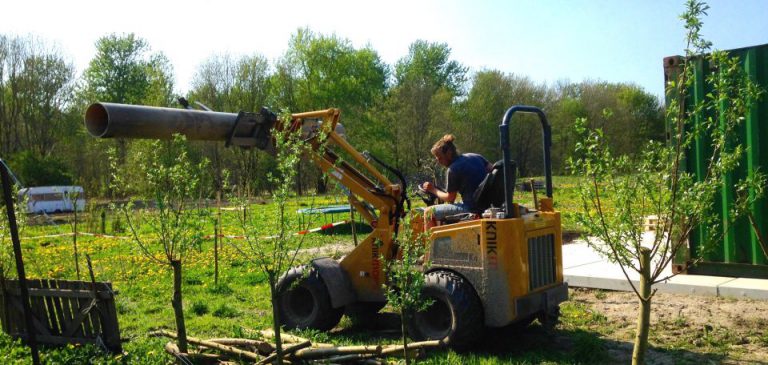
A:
(644, 316)
(405, 335)
(178, 309)
(276, 321)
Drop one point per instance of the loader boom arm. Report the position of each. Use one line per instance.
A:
(368, 187)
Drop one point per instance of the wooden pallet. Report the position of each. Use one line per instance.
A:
(64, 312)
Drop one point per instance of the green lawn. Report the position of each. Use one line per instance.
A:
(240, 303)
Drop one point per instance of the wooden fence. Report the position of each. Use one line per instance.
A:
(64, 312)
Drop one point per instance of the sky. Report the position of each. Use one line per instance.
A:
(546, 40)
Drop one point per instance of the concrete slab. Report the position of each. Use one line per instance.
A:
(745, 288)
(579, 253)
(693, 284)
(583, 267)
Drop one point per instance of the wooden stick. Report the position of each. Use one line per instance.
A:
(285, 337)
(263, 347)
(398, 349)
(286, 351)
(317, 353)
(213, 345)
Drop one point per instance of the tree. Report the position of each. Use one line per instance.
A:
(226, 84)
(122, 71)
(405, 277)
(320, 72)
(172, 181)
(274, 249)
(619, 191)
(427, 82)
(35, 86)
(492, 93)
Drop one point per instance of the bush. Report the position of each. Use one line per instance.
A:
(40, 171)
(199, 308)
(225, 311)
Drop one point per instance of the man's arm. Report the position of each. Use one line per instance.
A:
(439, 193)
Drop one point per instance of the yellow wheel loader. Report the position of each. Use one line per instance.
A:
(500, 266)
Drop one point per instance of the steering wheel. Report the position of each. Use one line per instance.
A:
(428, 198)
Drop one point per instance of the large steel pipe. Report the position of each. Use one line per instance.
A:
(109, 120)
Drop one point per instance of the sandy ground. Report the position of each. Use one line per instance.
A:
(694, 329)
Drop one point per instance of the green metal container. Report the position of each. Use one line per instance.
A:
(739, 254)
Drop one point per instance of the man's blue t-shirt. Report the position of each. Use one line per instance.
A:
(464, 175)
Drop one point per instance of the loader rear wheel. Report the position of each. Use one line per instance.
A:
(304, 302)
(455, 315)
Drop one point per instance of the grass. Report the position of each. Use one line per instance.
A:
(240, 302)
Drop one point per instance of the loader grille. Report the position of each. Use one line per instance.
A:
(541, 261)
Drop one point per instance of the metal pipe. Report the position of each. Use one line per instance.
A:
(109, 120)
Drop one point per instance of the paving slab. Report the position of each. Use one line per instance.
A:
(583, 267)
(745, 288)
(693, 284)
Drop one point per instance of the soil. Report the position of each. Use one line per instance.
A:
(685, 328)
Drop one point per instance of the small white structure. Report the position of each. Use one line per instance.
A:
(53, 199)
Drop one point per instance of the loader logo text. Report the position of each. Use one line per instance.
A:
(490, 241)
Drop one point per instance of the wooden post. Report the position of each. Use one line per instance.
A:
(103, 221)
(74, 234)
(7, 192)
(217, 232)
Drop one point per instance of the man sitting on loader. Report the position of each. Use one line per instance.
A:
(465, 173)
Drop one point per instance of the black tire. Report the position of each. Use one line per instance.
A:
(549, 318)
(303, 301)
(456, 315)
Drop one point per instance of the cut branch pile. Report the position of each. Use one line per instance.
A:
(296, 350)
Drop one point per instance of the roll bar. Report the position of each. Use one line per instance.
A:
(508, 170)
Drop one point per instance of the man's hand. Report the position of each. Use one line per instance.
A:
(429, 187)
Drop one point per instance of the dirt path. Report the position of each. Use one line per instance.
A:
(685, 328)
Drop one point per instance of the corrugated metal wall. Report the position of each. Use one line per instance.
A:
(739, 253)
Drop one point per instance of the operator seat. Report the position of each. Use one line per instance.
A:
(490, 192)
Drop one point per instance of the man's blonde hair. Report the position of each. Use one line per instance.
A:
(444, 145)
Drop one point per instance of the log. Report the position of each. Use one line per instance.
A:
(286, 351)
(212, 345)
(398, 349)
(263, 347)
(289, 338)
(317, 353)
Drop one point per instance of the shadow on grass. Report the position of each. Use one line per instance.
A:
(531, 345)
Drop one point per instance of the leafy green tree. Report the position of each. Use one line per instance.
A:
(172, 180)
(427, 82)
(429, 65)
(270, 240)
(405, 278)
(36, 84)
(226, 84)
(620, 191)
(123, 71)
(320, 72)
(492, 93)
(36, 171)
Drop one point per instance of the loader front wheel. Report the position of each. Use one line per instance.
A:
(303, 301)
(455, 315)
